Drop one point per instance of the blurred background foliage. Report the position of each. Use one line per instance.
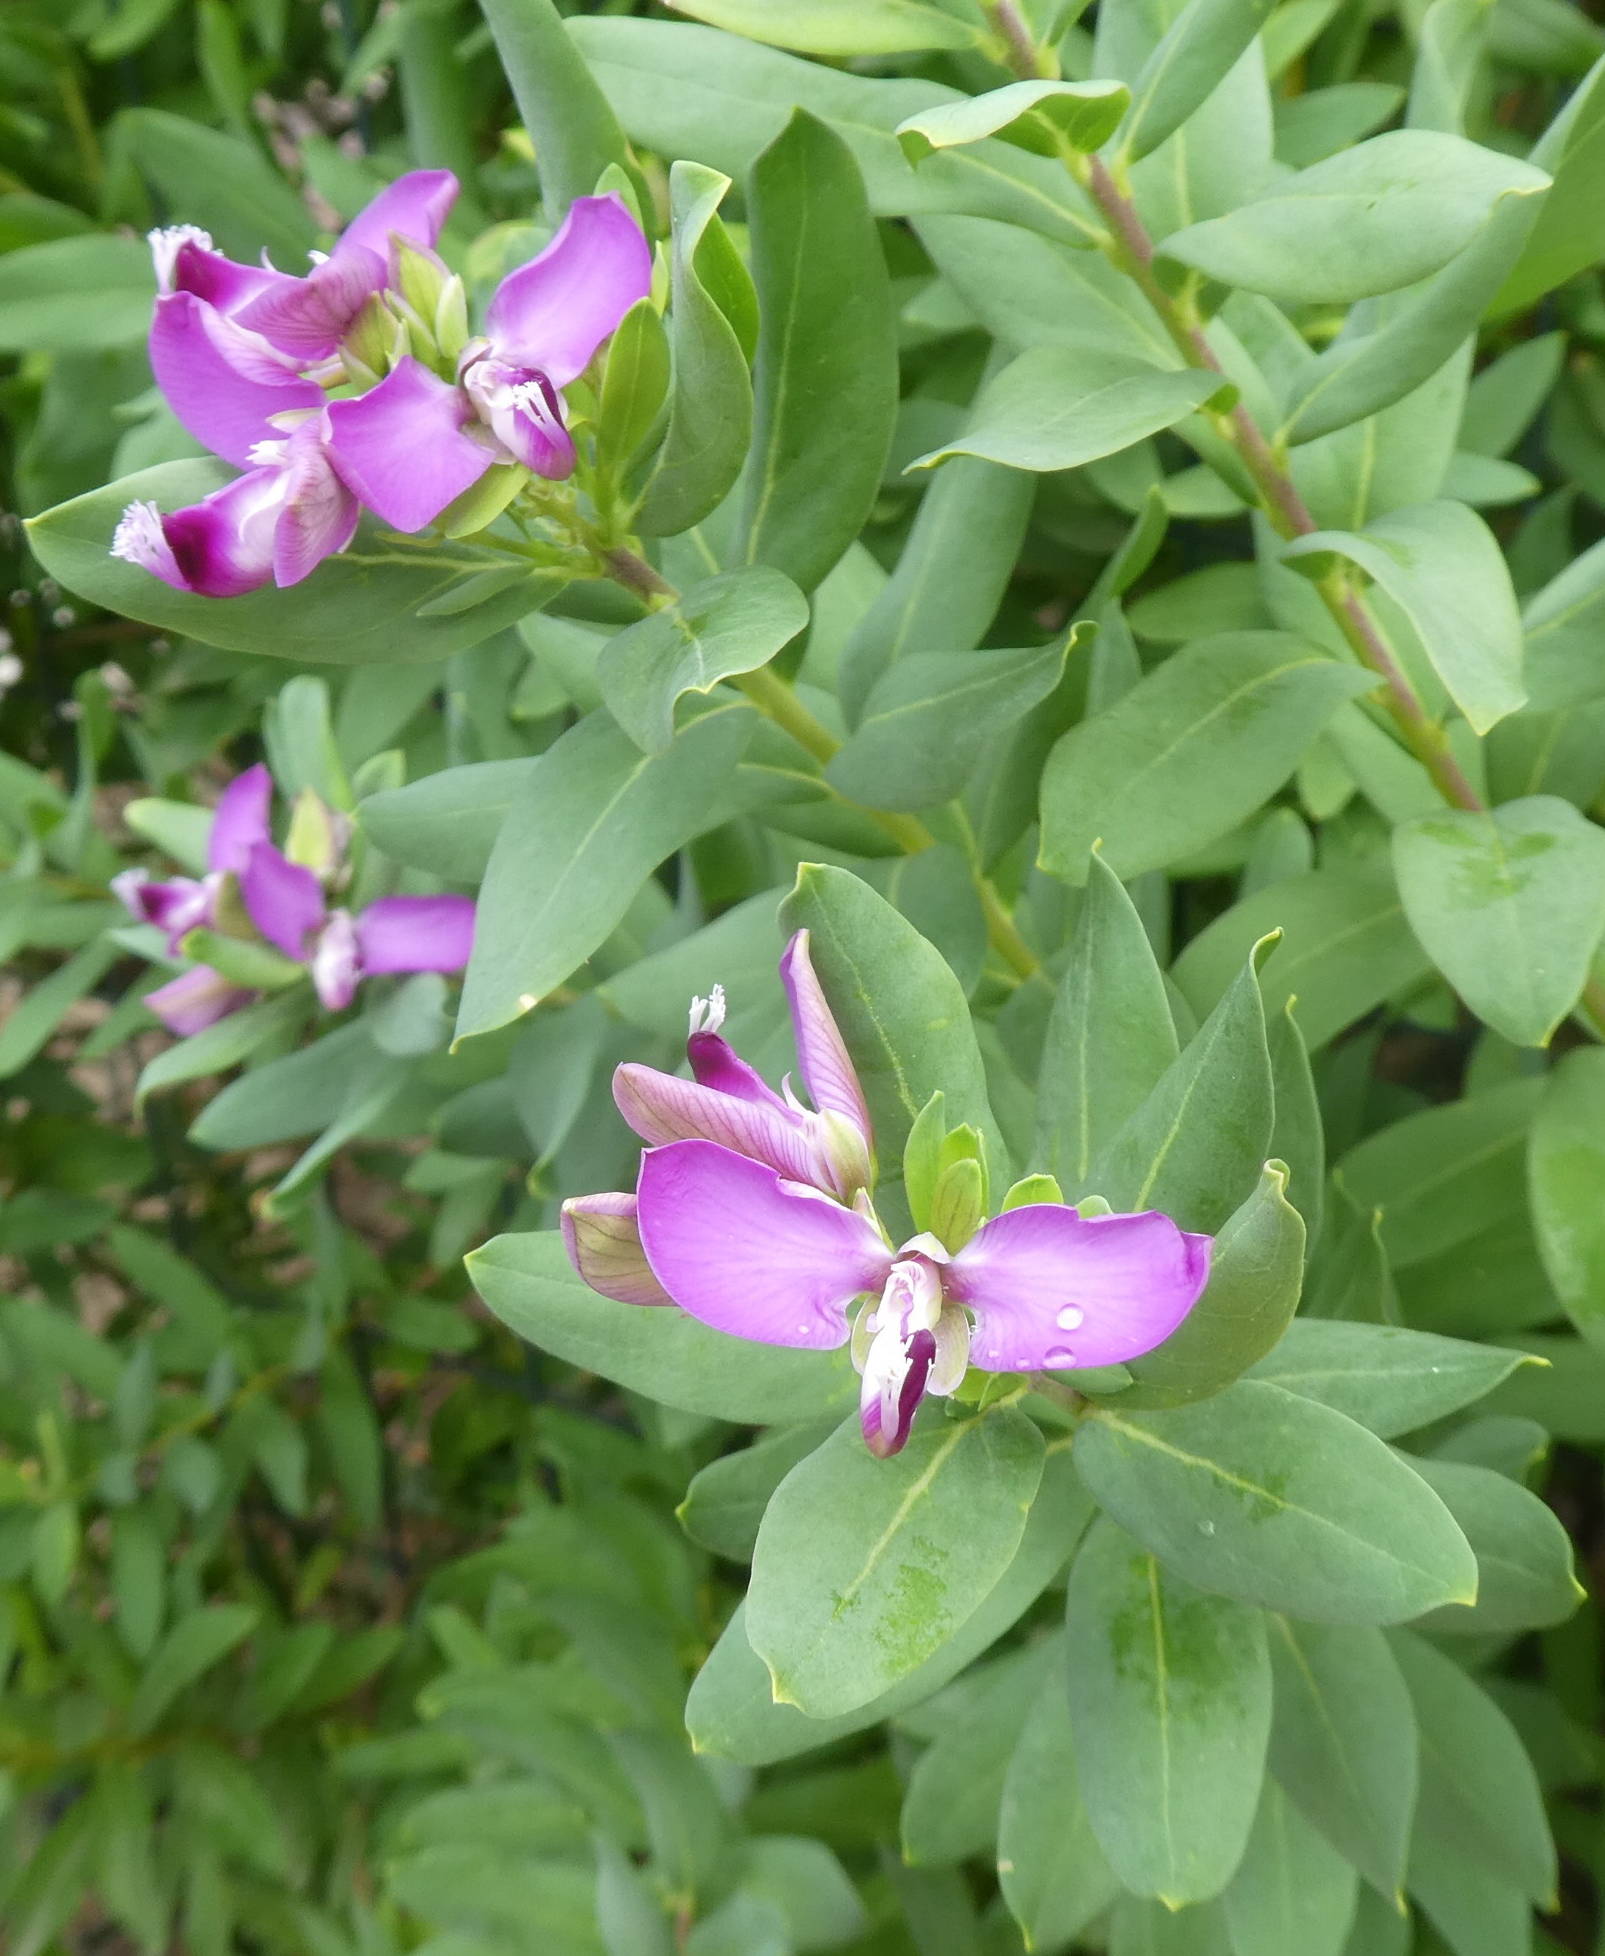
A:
(333, 1619)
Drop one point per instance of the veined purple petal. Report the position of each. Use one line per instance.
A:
(750, 1253)
(662, 1108)
(603, 1241)
(282, 899)
(308, 317)
(415, 933)
(402, 446)
(895, 1378)
(1051, 1289)
(223, 382)
(827, 1069)
(554, 312)
(414, 207)
(196, 999)
(320, 513)
(336, 962)
(186, 261)
(220, 547)
(716, 1064)
(240, 820)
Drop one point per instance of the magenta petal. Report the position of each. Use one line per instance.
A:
(196, 999)
(218, 548)
(283, 900)
(717, 1064)
(184, 263)
(603, 1242)
(402, 448)
(416, 933)
(178, 905)
(308, 317)
(893, 1386)
(662, 1108)
(827, 1068)
(1051, 1289)
(414, 207)
(320, 513)
(749, 1253)
(240, 820)
(222, 382)
(554, 312)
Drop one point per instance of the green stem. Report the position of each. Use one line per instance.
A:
(777, 700)
(1130, 248)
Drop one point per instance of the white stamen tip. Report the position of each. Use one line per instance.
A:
(165, 245)
(138, 538)
(707, 1014)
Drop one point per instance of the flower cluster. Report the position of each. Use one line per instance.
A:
(753, 1214)
(357, 385)
(256, 894)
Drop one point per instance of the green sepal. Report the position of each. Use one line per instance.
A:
(1031, 1189)
(922, 1158)
(958, 1203)
(256, 966)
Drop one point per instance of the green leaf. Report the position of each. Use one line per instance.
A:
(1199, 48)
(837, 27)
(732, 623)
(1110, 1035)
(1196, 1144)
(902, 1013)
(1047, 117)
(1192, 750)
(1510, 903)
(1057, 407)
(528, 1281)
(447, 823)
(1475, 1773)
(33, 1019)
(222, 182)
(1441, 565)
(710, 408)
(1053, 1874)
(913, 1546)
(1565, 1173)
(726, 1500)
(1372, 219)
(138, 1579)
(950, 1810)
(593, 819)
(1562, 624)
(1293, 1890)
(1345, 947)
(809, 1886)
(1255, 1274)
(1385, 1377)
(1524, 1555)
(574, 132)
(1569, 236)
(76, 293)
(1170, 1706)
(635, 384)
(931, 717)
(222, 1045)
(732, 1713)
(1343, 1741)
(193, 1645)
(348, 613)
(1274, 1499)
(1146, 1928)
(826, 374)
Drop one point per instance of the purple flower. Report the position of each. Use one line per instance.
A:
(723, 1226)
(287, 904)
(415, 442)
(276, 522)
(196, 999)
(228, 342)
(829, 1148)
(181, 903)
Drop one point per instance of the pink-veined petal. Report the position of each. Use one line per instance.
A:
(749, 1253)
(661, 1107)
(218, 548)
(554, 312)
(402, 446)
(414, 207)
(196, 999)
(308, 317)
(1051, 1289)
(283, 900)
(827, 1069)
(186, 262)
(715, 1063)
(603, 1241)
(240, 820)
(416, 933)
(222, 382)
(320, 513)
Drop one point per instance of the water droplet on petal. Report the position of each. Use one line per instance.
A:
(1060, 1355)
(1070, 1319)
